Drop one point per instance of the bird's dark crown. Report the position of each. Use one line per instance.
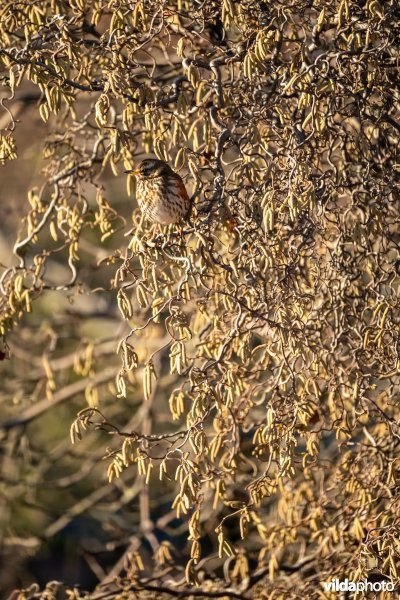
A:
(152, 167)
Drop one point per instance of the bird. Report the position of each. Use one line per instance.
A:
(160, 192)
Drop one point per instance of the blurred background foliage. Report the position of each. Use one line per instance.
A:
(230, 386)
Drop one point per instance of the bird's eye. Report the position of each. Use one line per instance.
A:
(147, 168)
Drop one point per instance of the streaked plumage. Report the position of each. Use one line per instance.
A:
(160, 192)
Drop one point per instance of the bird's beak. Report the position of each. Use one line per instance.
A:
(132, 171)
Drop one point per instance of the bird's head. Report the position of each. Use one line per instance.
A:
(150, 167)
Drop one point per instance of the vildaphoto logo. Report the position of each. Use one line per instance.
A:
(335, 585)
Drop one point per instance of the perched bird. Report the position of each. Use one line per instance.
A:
(161, 193)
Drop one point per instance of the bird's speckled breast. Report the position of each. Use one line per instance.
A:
(162, 200)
